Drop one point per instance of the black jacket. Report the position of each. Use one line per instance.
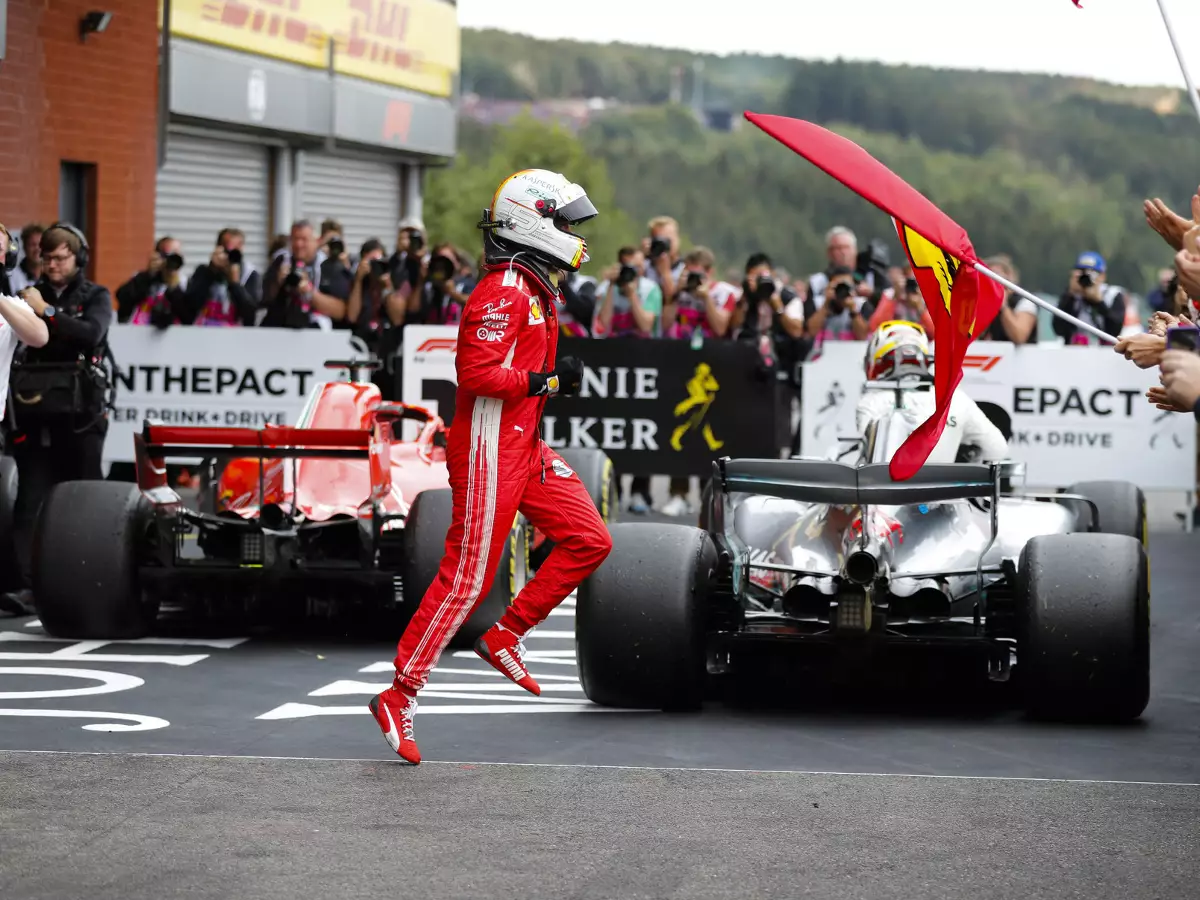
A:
(83, 313)
(136, 291)
(199, 291)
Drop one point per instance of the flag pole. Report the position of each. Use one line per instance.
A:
(1187, 78)
(1103, 336)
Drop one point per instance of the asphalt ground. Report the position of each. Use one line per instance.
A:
(219, 765)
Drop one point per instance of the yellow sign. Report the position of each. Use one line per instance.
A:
(411, 44)
(702, 390)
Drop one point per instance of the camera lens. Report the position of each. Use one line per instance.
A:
(235, 257)
(174, 262)
(336, 248)
(910, 285)
(842, 291)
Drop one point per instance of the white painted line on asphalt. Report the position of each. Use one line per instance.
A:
(139, 723)
(307, 710)
(216, 643)
(699, 769)
(434, 688)
(61, 656)
(569, 611)
(34, 623)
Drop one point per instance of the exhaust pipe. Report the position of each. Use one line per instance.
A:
(861, 567)
(928, 601)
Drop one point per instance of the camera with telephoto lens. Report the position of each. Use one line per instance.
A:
(416, 242)
(658, 247)
(694, 280)
(336, 247)
(911, 286)
(378, 268)
(1085, 278)
(235, 257)
(628, 275)
(842, 292)
(441, 269)
(764, 288)
(172, 262)
(292, 281)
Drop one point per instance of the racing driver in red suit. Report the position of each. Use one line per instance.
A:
(498, 463)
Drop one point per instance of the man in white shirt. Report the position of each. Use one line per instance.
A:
(900, 351)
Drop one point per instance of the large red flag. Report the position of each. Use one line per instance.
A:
(961, 302)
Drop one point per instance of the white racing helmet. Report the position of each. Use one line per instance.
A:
(532, 214)
(896, 350)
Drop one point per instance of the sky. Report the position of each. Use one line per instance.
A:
(1121, 41)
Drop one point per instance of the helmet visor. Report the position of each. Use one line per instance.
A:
(576, 212)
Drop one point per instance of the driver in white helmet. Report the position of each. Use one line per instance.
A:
(899, 351)
(498, 463)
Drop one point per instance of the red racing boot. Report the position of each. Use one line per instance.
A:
(505, 652)
(394, 710)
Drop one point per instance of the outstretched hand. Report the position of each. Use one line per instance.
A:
(1169, 224)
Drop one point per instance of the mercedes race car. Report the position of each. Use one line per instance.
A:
(336, 514)
(1049, 590)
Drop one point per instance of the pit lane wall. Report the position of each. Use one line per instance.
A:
(230, 377)
(1076, 413)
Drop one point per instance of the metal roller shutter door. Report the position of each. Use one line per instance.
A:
(210, 184)
(364, 195)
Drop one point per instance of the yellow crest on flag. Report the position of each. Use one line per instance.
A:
(927, 260)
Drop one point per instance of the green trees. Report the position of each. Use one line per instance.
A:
(1040, 167)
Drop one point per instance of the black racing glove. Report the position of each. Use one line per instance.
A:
(564, 381)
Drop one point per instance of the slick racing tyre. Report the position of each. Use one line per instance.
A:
(86, 550)
(1121, 505)
(595, 470)
(425, 530)
(640, 622)
(1083, 627)
(9, 572)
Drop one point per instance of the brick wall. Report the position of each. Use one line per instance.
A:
(93, 102)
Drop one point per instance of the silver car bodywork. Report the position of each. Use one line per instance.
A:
(824, 547)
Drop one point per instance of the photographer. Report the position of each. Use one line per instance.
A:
(701, 307)
(631, 303)
(293, 299)
(662, 255)
(407, 263)
(337, 275)
(375, 309)
(215, 295)
(836, 312)
(29, 269)
(155, 296)
(771, 314)
(234, 242)
(59, 389)
(440, 299)
(1088, 297)
(903, 303)
(1018, 317)
(841, 251)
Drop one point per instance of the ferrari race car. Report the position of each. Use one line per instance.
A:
(837, 558)
(336, 514)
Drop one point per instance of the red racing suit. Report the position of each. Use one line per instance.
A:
(499, 466)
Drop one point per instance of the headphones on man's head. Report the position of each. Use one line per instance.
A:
(10, 256)
(81, 258)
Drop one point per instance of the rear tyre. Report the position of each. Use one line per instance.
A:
(595, 470)
(9, 571)
(425, 530)
(640, 621)
(1083, 610)
(1121, 505)
(85, 559)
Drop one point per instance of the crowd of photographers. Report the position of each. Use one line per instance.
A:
(652, 290)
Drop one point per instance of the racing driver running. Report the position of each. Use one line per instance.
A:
(898, 351)
(498, 463)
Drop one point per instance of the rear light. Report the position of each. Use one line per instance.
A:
(252, 548)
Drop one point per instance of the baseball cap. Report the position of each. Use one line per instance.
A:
(411, 222)
(1090, 260)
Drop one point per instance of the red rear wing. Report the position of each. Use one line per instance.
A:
(272, 442)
